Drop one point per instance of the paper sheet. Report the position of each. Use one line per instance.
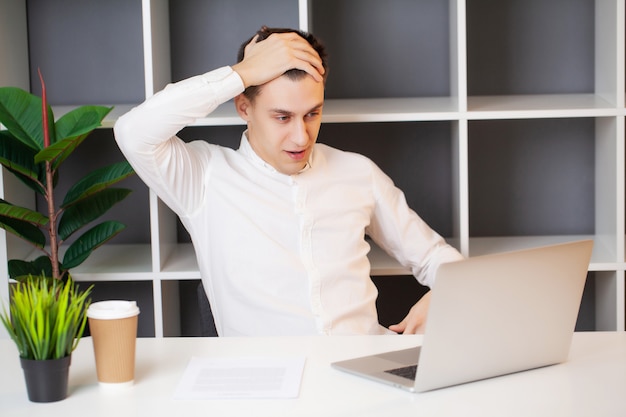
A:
(247, 377)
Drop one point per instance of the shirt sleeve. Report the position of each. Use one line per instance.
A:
(147, 137)
(398, 230)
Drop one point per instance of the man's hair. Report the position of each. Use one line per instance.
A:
(294, 73)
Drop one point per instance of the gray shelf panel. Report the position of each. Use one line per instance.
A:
(530, 47)
(359, 34)
(532, 177)
(89, 51)
(205, 35)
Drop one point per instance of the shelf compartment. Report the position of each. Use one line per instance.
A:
(89, 52)
(531, 47)
(116, 262)
(532, 177)
(357, 35)
(139, 291)
(204, 36)
(14, 45)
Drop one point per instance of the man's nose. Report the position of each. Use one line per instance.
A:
(300, 134)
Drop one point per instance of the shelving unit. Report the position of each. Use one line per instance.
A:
(502, 121)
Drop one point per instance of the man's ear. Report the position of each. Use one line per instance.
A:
(242, 105)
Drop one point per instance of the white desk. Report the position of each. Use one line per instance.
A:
(591, 383)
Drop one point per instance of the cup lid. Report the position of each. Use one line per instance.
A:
(112, 309)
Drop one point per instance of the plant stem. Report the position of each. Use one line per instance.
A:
(52, 216)
(52, 222)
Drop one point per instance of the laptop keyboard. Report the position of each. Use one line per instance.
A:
(407, 372)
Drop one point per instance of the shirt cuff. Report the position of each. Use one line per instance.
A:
(232, 83)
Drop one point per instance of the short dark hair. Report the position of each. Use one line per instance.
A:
(294, 73)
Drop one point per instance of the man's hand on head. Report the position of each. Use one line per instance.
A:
(272, 57)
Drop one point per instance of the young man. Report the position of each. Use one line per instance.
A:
(278, 225)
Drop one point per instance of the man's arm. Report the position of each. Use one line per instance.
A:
(147, 134)
(403, 234)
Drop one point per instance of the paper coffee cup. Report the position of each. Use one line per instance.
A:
(113, 327)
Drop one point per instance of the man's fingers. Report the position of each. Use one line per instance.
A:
(272, 57)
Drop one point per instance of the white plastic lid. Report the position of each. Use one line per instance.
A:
(112, 309)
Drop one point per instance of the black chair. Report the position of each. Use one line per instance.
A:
(207, 324)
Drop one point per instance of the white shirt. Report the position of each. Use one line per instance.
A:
(278, 254)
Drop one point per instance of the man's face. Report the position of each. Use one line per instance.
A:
(283, 121)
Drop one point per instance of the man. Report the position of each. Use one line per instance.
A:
(278, 225)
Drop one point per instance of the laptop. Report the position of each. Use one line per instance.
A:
(489, 316)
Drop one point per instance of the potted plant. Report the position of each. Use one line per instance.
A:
(46, 320)
(33, 147)
(46, 316)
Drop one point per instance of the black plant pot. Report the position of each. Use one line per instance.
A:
(46, 380)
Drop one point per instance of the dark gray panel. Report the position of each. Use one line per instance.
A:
(139, 291)
(531, 177)
(397, 48)
(530, 46)
(207, 34)
(89, 51)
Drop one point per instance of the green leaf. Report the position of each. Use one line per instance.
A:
(80, 121)
(23, 230)
(22, 213)
(97, 181)
(18, 159)
(19, 269)
(71, 130)
(23, 223)
(89, 209)
(20, 113)
(59, 151)
(89, 241)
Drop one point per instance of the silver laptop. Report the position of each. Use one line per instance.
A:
(489, 316)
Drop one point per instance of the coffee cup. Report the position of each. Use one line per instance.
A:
(113, 327)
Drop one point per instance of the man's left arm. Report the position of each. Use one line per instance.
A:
(397, 229)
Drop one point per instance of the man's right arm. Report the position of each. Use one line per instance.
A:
(147, 135)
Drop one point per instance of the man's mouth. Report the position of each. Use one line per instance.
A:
(297, 155)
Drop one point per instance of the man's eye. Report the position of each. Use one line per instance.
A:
(313, 115)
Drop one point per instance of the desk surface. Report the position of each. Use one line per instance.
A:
(591, 383)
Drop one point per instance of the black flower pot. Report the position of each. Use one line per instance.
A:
(46, 380)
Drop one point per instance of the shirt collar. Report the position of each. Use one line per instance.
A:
(246, 149)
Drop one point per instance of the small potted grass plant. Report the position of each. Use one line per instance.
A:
(46, 320)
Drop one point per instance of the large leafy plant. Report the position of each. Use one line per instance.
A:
(47, 317)
(33, 147)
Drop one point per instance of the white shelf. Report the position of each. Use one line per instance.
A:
(164, 261)
(540, 106)
(602, 258)
(390, 110)
(133, 263)
(117, 262)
